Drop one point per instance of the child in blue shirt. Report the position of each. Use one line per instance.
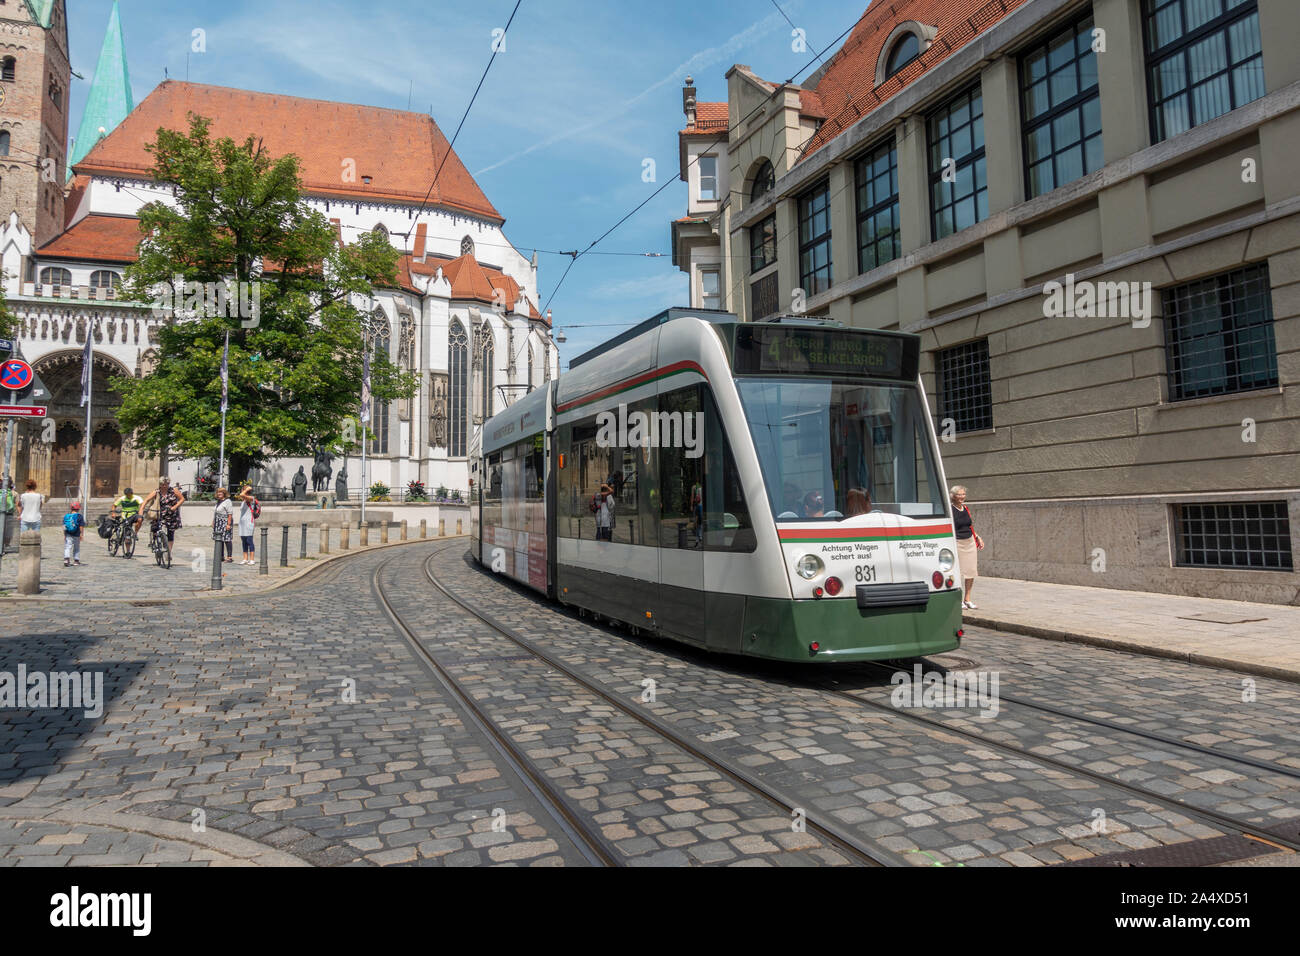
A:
(74, 526)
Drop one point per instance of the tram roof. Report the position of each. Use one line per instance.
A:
(667, 315)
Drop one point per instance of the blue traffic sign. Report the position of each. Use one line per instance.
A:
(15, 375)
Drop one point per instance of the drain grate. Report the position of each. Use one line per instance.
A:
(150, 603)
(1222, 849)
(953, 663)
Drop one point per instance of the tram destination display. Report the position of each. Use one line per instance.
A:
(768, 349)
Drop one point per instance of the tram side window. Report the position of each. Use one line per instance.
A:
(681, 477)
(727, 525)
(492, 491)
(534, 452)
(578, 444)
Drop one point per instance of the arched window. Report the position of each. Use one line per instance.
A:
(4, 142)
(381, 338)
(7, 69)
(907, 49)
(457, 399)
(486, 356)
(53, 275)
(105, 279)
(467, 246)
(764, 181)
(381, 232)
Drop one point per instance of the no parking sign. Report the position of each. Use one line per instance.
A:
(15, 375)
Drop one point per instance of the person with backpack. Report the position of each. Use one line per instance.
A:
(74, 529)
(250, 509)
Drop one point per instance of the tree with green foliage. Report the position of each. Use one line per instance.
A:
(240, 251)
(8, 321)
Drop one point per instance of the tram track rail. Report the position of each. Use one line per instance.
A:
(1225, 821)
(1166, 739)
(834, 836)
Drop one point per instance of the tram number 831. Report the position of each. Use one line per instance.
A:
(864, 572)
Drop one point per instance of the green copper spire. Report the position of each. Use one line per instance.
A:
(110, 97)
(42, 10)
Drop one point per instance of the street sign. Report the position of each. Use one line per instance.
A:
(15, 375)
(22, 411)
(7, 345)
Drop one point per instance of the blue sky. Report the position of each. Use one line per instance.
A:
(581, 94)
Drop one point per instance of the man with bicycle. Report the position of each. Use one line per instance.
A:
(125, 512)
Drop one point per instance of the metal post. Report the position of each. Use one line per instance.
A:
(217, 555)
(262, 569)
(221, 455)
(284, 545)
(302, 550)
(90, 395)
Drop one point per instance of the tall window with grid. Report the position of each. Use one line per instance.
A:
(762, 243)
(381, 339)
(458, 390)
(965, 392)
(876, 178)
(1237, 534)
(958, 179)
(1060, 109)
(815, 239)
(1203, 59)
(1219, 334)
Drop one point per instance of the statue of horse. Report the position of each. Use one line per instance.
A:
(322, 470)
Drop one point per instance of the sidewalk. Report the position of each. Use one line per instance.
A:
(1259, 639)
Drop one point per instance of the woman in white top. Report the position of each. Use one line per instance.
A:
(223, 520)
(29, 507)
(246, 523)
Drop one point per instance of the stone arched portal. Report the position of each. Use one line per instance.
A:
(52, 450)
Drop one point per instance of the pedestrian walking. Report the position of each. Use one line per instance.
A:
(74, 529)
(968, 543)
(250, 509)
(223, 520)
(29, 507)
(8, 502)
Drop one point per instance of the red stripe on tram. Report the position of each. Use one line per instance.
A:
(633, 382)
(818, 534)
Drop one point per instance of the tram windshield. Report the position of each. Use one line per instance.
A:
(832, 449)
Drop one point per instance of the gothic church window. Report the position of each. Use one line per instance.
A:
(458, 404)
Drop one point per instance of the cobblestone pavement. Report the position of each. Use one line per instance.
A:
(918, 791)
(140, 578)
(301, 726)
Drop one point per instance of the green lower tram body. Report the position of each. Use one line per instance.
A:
(770, 628)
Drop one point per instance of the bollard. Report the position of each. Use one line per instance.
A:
(424, 527)
(458, 531)
(383, 532)
(324, 539)
(365, 535)
(442, 527)
(262, 568)
(302, 549)
(403, 538)
(218, 552)
(345, 532)
(29, 562)
(284, 545)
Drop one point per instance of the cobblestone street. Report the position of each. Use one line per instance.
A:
(301, 727)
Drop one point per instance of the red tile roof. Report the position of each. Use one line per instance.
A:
(399, 151)
(96, 239)
(709, 118)
(847, 88)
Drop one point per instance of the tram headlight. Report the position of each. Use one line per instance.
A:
(809, 566)
(946, 559)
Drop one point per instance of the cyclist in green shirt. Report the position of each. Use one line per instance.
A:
(127, 506)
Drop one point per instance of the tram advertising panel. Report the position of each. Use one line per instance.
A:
(809, 350)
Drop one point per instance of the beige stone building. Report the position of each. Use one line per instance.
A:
(986, 173)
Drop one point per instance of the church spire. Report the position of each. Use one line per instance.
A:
(110, 97)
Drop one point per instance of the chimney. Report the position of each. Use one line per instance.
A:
(421, 230)
(688, 101)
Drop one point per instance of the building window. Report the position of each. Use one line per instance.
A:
(1219, 334)
(965, 395)
(1061, 109)
(708, 177)
(815, 240)
(381, 231)
(764, 181)
(381, 339)
(958, 181)
(105, 279)
(1238, 534)
(458, 397)
(907, 49)
(764, 297)
(7, 69)
(1203, 59)
(4, 142)
(52, 275)
(710, 289)
(483, 343)
(762, 244)
(876, 177)
(466, 246)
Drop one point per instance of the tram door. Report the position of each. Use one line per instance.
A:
(680, 509)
